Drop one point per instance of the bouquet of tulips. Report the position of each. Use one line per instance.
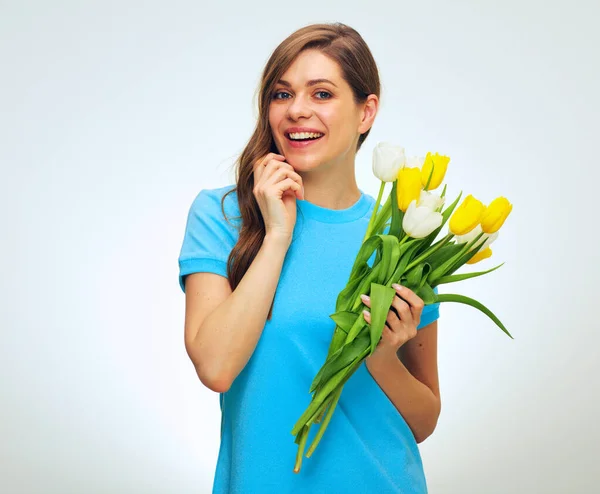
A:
(408, 254)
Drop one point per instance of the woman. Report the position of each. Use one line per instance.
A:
(259, 293)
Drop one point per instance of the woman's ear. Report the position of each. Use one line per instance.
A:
(368, 113)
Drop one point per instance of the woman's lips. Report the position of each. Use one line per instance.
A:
(302, 144)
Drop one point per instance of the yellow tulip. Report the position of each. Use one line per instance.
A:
(495, 215)
(409, 186)
(480, 256)
(467, 216)
(439, 170)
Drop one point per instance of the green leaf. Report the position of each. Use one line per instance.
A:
(364, 286)
(329, 386)
(381, 301)
(416, 277)
(449, 297)
(453, 262)
(397, 213)
(413, 277)
(344, 319)
(346, 297)
(426, 293)
(465, 276)
(430, 175)
(365, 252)
(446, 252)
(341, 336)
(390, 253)
(343, 357)
(406, 254)
(465, 257)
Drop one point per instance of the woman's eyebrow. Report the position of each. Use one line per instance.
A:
(312, 82)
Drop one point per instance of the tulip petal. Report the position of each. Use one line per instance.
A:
(408, 186)
(387, 161)
(495, 214)
(467, 216)
(419, 222)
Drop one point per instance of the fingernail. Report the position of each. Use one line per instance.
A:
(366, 313)
(396, 286)
(365, 298)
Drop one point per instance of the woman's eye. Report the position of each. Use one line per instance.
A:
(324, 92)
(277, 93)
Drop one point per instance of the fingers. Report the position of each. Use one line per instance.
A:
(406, 308)
(272, 169)
(415, 302)
(261, 165)
(392, 318)
(402, 309)
(289, 184)
(265, 159)
(283, 179)
(403, 317)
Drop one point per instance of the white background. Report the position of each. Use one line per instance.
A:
(113, 115)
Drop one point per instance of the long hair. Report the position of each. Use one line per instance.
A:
(342, 44)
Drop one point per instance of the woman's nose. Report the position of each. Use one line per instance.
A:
(299, 107)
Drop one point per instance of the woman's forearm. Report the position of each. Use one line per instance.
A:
(414, 400)
(228, 336)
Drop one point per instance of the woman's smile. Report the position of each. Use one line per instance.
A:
(302, 137)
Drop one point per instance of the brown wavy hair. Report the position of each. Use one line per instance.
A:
(342, 44)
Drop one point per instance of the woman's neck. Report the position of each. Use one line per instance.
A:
(331, 185)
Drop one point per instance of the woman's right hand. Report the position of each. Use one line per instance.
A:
(276, 187)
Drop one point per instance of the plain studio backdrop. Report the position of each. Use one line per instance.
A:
(114, 115)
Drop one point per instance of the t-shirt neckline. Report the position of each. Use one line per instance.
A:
(326, 215)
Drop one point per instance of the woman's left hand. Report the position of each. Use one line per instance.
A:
(398, 330)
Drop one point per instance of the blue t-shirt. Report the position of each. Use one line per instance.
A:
(368, 446)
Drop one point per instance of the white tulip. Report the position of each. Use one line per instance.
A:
(420, 221)
(388, 160)
(430, 200)
(467, 237)
(415, 162)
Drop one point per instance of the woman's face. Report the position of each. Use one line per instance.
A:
(326, 108)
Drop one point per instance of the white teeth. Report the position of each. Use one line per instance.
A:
(304, 135)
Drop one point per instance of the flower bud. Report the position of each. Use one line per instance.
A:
(439, 170)
(420, 221)
(495, 214)
(408, 187)
(387, 161)
(467, 216)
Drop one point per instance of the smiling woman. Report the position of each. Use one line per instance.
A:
(317, 94)
(259, 294)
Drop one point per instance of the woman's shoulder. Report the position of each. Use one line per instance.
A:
(213, 201)
(215, 193)
(210, 200)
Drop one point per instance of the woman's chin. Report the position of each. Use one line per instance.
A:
(302, 162)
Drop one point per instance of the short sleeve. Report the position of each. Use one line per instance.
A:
(208, 238)
(431, 312)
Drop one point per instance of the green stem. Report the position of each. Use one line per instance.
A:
(375, 211)
(320, 396)
(319, 417)
(430, 251)
(301, 446)
(323, 426)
